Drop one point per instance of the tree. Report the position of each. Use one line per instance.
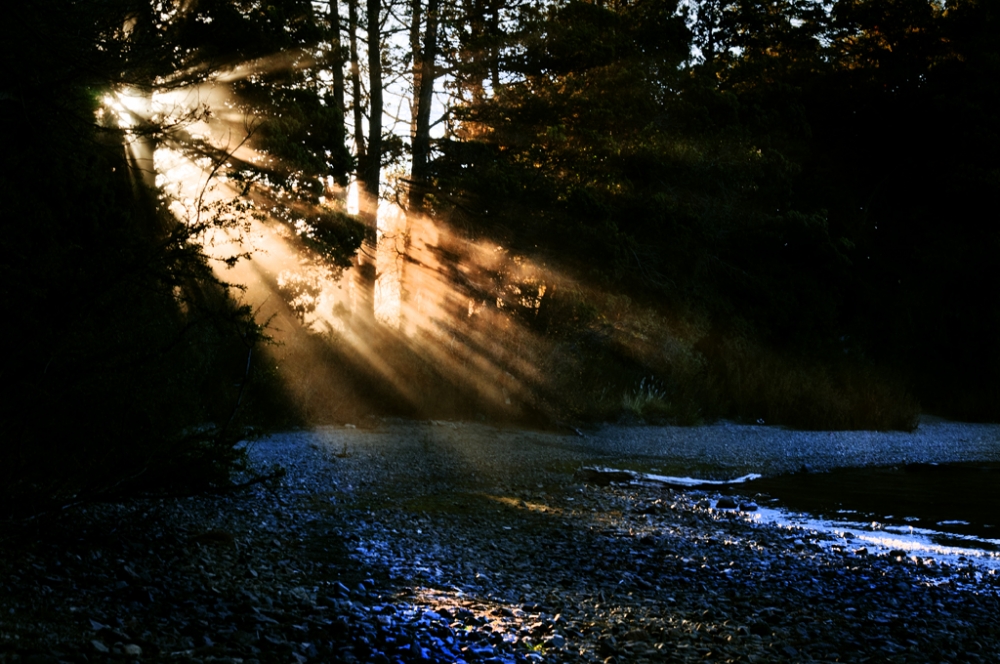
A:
(424, 49)
(134, 362)
(906, 127)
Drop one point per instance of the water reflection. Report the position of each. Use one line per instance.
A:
(959, 499)
(949, 511)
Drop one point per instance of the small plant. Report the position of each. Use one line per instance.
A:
(649, 399)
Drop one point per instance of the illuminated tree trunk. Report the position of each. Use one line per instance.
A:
(369, 157)
(364, 284)
(424, 48)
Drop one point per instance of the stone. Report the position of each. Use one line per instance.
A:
(603, 476)
(636, 635)
(726, 503)
(608, 541)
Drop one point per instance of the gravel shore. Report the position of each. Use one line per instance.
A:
(442, 542)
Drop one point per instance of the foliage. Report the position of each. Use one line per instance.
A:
(812, 179)
(122, 364)
(130, 366)
(302, 132)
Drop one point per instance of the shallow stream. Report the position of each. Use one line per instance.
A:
(943, 510)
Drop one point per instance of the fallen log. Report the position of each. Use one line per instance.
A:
(605, 476)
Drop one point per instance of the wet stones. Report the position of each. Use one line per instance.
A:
(623, 572)
(727, 503)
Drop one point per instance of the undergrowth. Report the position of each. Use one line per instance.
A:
(592, 358)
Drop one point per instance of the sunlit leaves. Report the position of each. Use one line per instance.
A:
(335, 236)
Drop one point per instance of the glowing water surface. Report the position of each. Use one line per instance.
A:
(940, 513)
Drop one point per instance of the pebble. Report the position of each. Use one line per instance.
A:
(397, 553)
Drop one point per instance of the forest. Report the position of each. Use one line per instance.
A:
(224, 216)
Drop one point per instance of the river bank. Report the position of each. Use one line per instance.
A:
(446, 542)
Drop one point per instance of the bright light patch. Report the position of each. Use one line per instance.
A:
(353, 198)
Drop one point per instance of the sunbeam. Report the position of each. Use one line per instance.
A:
(459, 323)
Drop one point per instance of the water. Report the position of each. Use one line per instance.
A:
(949, 511)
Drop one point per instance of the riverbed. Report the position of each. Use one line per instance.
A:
(456, 542)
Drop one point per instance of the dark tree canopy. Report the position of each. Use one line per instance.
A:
(821, 175)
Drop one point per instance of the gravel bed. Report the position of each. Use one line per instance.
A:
(735, 448)
(437, 542)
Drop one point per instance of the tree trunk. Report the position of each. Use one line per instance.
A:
(493, 28)
(338, 59)
(424, 76)
(359, 131)
(373, 167)
(476, 19)
(369, 162)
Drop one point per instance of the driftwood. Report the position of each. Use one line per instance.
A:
(605, 476)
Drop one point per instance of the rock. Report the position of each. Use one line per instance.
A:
(132, 650)
(748, 507)
(636, 635)
(100, 647)
(607, 646)
(476, 602)
(726, 503)
(771, 615)
(211, 538)
(39, 658)
(603, 476)
(303, 595)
